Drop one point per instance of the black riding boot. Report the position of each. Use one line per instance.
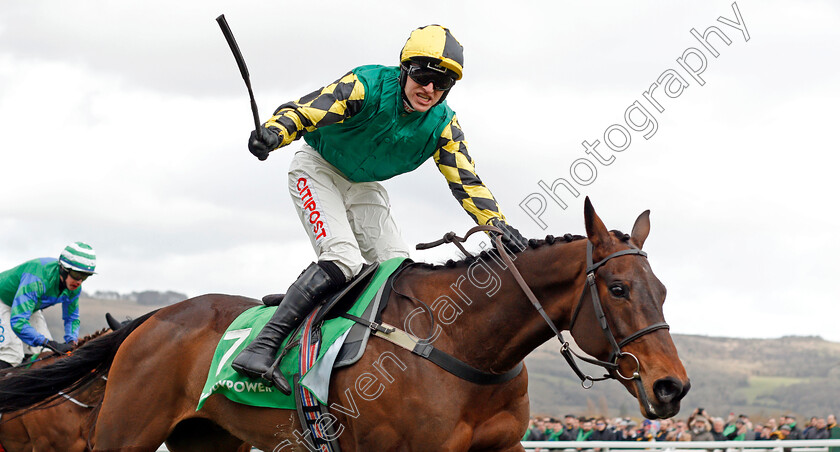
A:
(313, 285)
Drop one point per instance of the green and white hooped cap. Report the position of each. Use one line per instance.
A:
(78, 256)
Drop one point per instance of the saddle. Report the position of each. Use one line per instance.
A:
(338, 304)
(330, 328)
(352, 290)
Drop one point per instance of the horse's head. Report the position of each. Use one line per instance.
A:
(619, 319)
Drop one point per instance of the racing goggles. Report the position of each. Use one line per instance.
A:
(77, 275)
(423, 75)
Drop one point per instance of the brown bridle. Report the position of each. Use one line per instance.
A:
(611, 364)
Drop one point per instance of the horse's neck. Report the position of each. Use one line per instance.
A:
(498, 326)
(91, 393)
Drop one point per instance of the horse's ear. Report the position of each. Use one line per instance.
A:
(641, 229)
(595, 229)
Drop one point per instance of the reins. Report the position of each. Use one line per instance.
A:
(450, 237)
(612, 363)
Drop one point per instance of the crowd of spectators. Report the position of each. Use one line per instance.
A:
(699, 426)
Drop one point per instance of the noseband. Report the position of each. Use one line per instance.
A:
(611, 364)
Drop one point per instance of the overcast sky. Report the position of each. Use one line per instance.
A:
(124, 125)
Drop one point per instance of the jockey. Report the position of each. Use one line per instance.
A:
(372, 124)
(33, 286)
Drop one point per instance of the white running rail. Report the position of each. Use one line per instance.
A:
(810, 445)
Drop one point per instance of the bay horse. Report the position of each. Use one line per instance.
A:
(393, 400)
(64, 424)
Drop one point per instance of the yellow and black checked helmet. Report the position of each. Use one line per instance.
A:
(435, 43)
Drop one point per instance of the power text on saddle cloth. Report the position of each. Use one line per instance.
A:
(222, 379)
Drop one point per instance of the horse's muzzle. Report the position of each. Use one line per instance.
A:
(669, 389)
(668, 392)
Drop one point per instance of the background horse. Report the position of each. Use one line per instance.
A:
(393, 400)
(64, 424)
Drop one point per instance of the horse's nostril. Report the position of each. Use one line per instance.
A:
(668, 389)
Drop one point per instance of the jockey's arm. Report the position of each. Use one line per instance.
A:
(329, 105)
(70, 314)
(458, 168)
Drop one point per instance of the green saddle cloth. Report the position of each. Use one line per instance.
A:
(222, 379)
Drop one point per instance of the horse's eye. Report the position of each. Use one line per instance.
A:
(618, 290)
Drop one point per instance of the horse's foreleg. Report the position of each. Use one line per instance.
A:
(503, 430)
(120, 432)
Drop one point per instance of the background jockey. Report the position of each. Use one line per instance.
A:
(35, 285)
(372, 124)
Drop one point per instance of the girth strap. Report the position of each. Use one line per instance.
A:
(442, 359)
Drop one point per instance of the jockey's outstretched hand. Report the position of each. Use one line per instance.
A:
(262, 142)
(511, 237)
(62, 348)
